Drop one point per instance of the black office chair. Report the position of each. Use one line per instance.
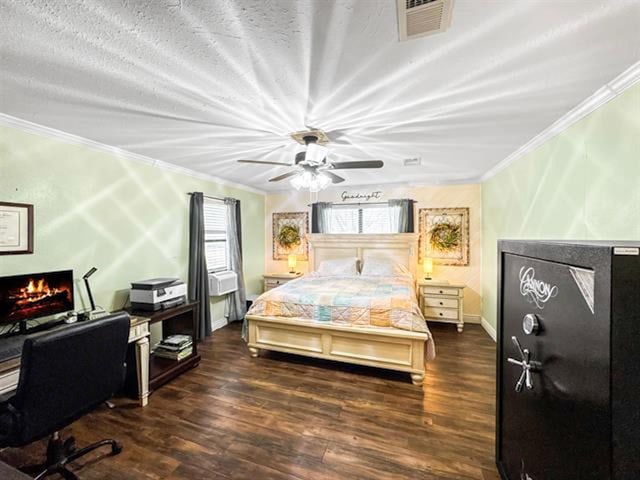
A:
(63, 375)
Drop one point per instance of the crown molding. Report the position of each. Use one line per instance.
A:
(605, 94)
(25, 125)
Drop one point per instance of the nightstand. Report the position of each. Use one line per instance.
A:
(442, 302)
(273, 280)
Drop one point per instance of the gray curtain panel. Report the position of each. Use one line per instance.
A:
(401, 215)
(321, 217)
(235, 305)
(198, 274)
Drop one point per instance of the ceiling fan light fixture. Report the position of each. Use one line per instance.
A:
(324, 181)
(296, 182)
(313, 181)
(311, 169)
(307, 178)
(302, 180)
(319, 182)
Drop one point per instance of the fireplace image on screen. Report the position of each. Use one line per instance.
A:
(26, 297)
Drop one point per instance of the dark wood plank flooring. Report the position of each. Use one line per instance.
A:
(286, 417)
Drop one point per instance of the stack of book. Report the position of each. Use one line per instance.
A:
(174, 347)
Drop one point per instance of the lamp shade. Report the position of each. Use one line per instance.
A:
(292, 262)
(427, 267)
(314, 181)
(297, 182)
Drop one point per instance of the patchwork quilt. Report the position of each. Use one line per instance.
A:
(355, 300)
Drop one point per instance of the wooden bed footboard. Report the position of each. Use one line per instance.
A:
(388, 348)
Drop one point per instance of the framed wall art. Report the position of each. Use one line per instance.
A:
(444, 235)
(16, 228)
(290, 235)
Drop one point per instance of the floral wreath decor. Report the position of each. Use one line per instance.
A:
(289, 236)
(445, 235)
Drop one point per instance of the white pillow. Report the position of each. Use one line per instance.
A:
(383, 267)
(340, 267)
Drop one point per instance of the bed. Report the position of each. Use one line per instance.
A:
(364, 320)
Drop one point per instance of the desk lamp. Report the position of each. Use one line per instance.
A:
(85, 277)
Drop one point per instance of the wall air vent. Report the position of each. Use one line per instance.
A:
(417, 18)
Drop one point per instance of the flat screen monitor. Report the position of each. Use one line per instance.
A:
(35, 295)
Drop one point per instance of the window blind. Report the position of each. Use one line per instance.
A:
(215, 235)
(344, 220)
(375, 219)
(360, 219)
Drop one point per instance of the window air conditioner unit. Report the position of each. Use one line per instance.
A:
(222, 283)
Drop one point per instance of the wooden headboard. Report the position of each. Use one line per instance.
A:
(399, 247)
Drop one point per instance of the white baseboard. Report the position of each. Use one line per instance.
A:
(489, 329)
(472, 319)
(218, 323)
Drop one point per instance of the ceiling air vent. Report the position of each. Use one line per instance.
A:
(417, 18)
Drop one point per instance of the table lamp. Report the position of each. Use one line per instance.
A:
(427, 268)
(292, 262)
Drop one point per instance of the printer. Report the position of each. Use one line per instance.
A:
(158, 294)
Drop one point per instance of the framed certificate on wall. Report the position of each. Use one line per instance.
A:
(16, 228)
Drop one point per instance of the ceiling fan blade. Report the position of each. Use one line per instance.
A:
(283, 176)
(362, 164)
(265, 163)
(334, 178)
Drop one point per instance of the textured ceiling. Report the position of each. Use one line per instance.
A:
(203, 83)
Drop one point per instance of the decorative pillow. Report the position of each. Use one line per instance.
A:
(340, 267)
(383, 267)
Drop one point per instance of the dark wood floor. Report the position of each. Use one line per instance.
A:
(280, 416)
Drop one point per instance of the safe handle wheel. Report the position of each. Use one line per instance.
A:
(525, 364)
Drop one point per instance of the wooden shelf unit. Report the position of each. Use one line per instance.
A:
(182, 319)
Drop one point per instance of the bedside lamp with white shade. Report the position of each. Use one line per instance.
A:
(292, 262)
(427, 268)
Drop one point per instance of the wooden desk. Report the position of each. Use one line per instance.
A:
(138, 334)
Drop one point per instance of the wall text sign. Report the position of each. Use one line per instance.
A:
(348, 196)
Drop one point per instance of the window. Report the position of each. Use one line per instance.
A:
(215, 235)
(344, 220)
(375, 219)
(360, 219)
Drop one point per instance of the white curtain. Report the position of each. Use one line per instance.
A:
(235, 305)
(401, 215)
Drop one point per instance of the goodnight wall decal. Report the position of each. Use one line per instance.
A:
(348, 196)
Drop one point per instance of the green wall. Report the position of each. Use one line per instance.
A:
(582, 184)
(125, 217)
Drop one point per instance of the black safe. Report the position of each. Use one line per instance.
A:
(568, 360)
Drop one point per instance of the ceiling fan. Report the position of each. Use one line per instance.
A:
(311, 168)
